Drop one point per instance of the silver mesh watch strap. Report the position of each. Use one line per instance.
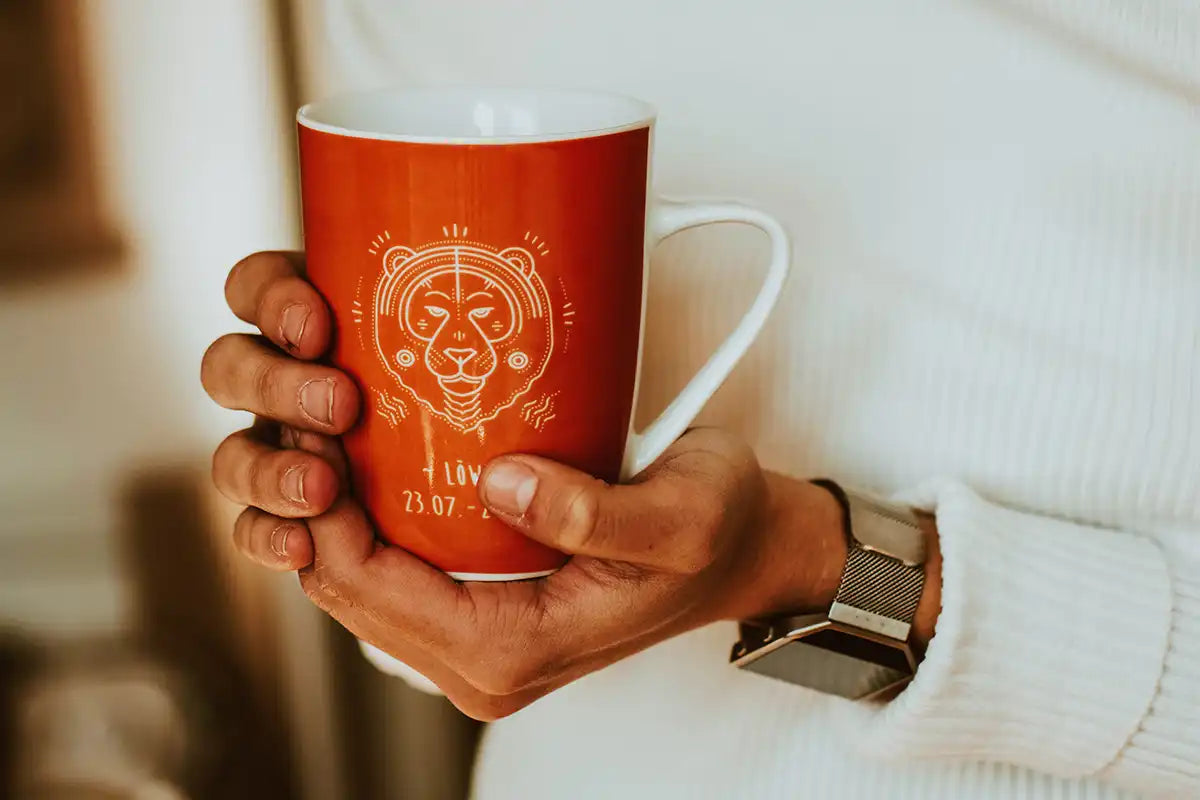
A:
(884, 575)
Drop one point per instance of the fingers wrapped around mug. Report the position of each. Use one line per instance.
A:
(243, 372)
(301, 478)
(288, 483)
(267, 290)
(272, 542)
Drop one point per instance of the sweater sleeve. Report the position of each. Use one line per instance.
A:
(1065, 648)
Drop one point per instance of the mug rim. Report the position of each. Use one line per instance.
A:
(625, 113)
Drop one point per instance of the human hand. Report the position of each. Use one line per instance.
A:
(699, 537)
(271, 376)
(703, 534)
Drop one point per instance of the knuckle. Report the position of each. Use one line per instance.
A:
(243, 528)
(259, 480)
(579, 514)
(271, 303)
(214, 368)
(700, 533)
(226, 449)
(698, 554)
(267, 382)
(708, 509)
(265, 260)
(675, 498)
(744, 457)
(236, 273)
(224, 465)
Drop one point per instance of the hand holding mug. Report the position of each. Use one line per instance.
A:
(480, 257)
(702, 534)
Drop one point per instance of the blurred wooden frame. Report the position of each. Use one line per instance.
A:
(52, 217)
(199, 605)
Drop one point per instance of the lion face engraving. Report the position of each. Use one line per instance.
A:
(466, 329)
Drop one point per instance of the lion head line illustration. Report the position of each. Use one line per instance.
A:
(465, 328)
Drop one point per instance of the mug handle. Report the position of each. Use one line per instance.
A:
(666, 218)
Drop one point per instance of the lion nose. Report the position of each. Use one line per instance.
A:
(460, 355)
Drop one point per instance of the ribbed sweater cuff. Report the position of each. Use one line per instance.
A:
(1165, 751)
(1049, 646)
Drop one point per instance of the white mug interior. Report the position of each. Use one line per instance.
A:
(467, 115)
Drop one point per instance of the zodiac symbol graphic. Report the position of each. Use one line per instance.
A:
(390, 408)
(464, 327)
(539, 411)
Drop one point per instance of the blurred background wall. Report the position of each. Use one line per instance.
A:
(104, 429)
(102, 361)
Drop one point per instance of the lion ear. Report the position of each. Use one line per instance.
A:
(519, 258)
(396, 257)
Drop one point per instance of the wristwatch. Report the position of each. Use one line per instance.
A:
(858, 648)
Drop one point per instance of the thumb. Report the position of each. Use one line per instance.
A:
(576, 513)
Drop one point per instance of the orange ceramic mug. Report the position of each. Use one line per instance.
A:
(484, 253)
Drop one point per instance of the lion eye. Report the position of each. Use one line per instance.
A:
(434, 311)
(481, 313)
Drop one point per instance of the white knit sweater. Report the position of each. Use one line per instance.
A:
(996, 309)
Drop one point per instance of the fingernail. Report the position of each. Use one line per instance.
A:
(279, 538)
(292, 322)
(509, 487)
(293, 484)
(316, 400)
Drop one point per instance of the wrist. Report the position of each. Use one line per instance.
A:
(925, 619)
(797, 558)
(794, 562)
